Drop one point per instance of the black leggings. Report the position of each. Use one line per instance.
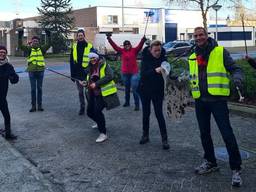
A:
(5, 111)
(94, 110)
(157, 101)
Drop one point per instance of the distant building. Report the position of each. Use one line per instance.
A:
(165, 24)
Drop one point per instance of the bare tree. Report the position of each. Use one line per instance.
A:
(203, 5)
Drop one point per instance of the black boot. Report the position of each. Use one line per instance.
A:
(144, 139)
(40, 108)
(81, 111)
(8, 134)
(33, 108)
(126, 104)
(166, 146)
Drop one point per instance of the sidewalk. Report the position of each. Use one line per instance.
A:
(17, 174)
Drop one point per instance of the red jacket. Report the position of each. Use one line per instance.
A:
(128, 57)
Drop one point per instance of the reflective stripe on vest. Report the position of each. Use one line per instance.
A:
(36, 57)
(217, 76)
(109, 88)
(85, 55)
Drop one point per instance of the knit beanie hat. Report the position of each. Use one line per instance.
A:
(3, 48)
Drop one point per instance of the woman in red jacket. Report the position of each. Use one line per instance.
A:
(129, 68)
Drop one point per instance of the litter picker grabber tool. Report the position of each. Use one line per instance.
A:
(241, 98)
(149, 14)
(47, 68)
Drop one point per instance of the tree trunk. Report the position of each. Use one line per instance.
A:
(204, 15)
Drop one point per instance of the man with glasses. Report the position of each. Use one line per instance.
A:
(209, 68)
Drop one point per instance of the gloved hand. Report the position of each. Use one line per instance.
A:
(108, 35)
(238, 83)
(144, 38)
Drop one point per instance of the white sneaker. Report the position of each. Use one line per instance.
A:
(236, 178)
(102, 137)
(95, 126)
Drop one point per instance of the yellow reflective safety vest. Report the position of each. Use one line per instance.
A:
(218, 81)
(36, 57)
(109, 88)
(85, 55)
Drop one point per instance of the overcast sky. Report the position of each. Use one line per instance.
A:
(27, 8)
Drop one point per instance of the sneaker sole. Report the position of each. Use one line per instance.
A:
(235, 184)
(101, 141)
(214, 169)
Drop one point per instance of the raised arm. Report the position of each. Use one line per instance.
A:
(113, 44)
(22, 47)
(140, 45)
(45, 47)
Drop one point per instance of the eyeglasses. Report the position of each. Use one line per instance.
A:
(3, 52)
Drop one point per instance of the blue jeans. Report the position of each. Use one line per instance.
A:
(131, 80)
(220, 112)
(36, 82)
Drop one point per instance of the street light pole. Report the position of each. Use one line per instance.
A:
(216, 8)
(123, 15)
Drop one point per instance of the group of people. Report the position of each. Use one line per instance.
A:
(209, 69)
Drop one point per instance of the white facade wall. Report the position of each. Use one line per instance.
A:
(135, 18)
(234, 43)
(185, 19)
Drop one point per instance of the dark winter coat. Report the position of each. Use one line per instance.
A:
(151, 82)
(7, 74)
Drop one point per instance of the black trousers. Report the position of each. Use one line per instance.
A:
(94, 110)
(157, 101)
(5, 111)
(220, 112)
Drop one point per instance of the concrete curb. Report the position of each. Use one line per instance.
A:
(242, 109)
(17, 174)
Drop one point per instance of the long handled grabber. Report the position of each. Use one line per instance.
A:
(149, 14)
(241, 98)
(83, 83)
(72, 78)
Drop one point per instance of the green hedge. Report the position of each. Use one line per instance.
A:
(116, 67)
(249, 79)
(182, 64)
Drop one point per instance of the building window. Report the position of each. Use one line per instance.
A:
(112, 19)
(234, 36)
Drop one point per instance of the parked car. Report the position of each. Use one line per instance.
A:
(177, 48)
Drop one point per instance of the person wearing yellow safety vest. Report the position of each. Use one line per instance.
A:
(210, 68)
(78, 62)
(36, 66)
(102, 92)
